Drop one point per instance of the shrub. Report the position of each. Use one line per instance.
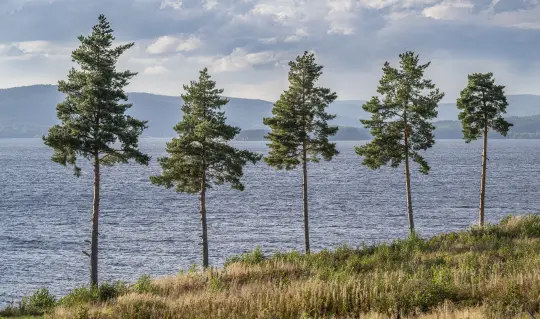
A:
(144, 285)
(85, 295)
(250, 258)
(111, 291)
(38, 303)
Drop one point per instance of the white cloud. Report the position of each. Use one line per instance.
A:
(210, 4)
(34, 46)
(300, 34)
(168, 44)
(240, 59)
(162, 45)
(396, 4)
(189, 44)
(272, 40)
(280, 10)
(269, 33)
(449, 10)
(527, 19)
(156, 70)
(175, 4)
(39, 47)
(342, 16)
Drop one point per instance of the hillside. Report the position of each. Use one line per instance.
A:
(345, 133)
(29, 111)
(527, 127)
(493, 272)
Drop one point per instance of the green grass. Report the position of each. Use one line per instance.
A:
(493, 272)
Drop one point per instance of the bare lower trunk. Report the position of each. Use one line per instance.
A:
(305, 198)
(95, 227)
(203, 225)
(408, 185)
(483, 181)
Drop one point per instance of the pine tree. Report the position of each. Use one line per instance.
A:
(482, 104)
(400, 122)
(300, 127)
(93, 121)
(200, 156)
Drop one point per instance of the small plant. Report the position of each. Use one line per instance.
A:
(144, 284)
(81, 295)
(250, 258)
(83, 312)
(193, 269)
(85, 295)
(38, 303)
(110, 291)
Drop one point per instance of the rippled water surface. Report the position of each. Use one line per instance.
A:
(45, 210)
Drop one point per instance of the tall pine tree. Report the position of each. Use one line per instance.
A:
(200, 156)
(93, 121)
(300, 127)
(400, 122)
(482, 104)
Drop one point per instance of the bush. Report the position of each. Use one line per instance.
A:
(144, 285)
(40, 302)
(250, 258)
(107, 291)
(85, 295)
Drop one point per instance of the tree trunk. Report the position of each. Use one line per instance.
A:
(305, 198)
(203, 224)
(408, 183)
(95, 226)
(483, 181)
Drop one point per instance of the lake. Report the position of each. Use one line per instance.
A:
(144, 229)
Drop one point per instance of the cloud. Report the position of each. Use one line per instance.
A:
(156, 70)
(246, 44)
(297, 36)
(342, 16)
(174, 4)
(166, 44)
(189, 44)
(240, 59)
(162, 45)
(210, 4)
(449, 10)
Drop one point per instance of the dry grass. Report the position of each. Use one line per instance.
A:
(482, 273)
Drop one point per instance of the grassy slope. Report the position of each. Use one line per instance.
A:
(482, 273)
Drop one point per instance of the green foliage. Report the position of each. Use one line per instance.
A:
(409, 103)
(200, 156)
(482, 105)
(103, 292)
(93, 121)
(144, 284)
(250, 258)
(493, 269)
(300, 122)
(40, 302)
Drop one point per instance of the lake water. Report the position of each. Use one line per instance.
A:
(145, 229)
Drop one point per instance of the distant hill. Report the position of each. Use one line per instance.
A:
(29, 111)
(525, 127)
(345, 133)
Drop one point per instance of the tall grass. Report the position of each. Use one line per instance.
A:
(493, 272)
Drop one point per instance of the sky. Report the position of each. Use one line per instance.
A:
(246, 44)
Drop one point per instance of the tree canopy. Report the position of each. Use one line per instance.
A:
(300, 120)
(408, 104)
(482, 104)
(93, 120)
(200, 155)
